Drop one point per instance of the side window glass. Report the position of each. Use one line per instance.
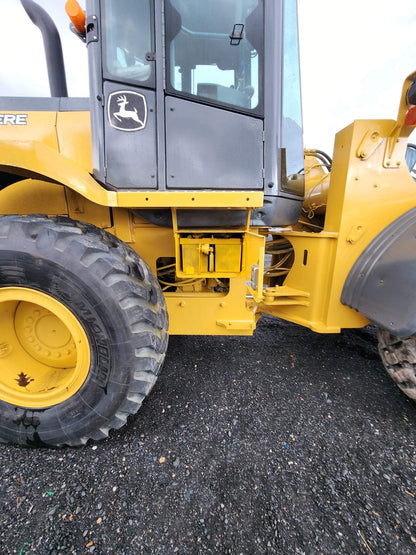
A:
(292, 134)
(127, 39)
(215, 50)
(411, 159)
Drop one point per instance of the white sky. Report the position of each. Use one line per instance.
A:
(355, 56)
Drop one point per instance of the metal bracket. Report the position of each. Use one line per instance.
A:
(285, 296)
(388, 162)
(371, 141)
(401, 130)
(91, 28)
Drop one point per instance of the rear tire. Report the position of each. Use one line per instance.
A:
(86, 331)
(399, 359)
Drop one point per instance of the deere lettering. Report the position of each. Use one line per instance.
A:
(13, 119)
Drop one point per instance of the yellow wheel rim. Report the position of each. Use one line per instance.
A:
(44, 350)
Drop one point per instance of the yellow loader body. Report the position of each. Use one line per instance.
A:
(53, 152)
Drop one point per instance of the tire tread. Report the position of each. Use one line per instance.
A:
(130, 282)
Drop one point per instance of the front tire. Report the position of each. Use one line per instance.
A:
(83, 331)
(399, 359)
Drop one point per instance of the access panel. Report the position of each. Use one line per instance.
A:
(212, 148)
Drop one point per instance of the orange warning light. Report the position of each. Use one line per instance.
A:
(76, 15)
(411, 116)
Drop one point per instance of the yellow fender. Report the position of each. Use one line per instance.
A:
(39, 161)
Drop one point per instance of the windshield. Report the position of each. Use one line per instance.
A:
(215, 51)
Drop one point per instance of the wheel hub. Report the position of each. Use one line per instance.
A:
(44, 350)
(44, 336)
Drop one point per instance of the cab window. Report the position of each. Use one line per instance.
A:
(128, 41)
(293, 180)
(215, 51)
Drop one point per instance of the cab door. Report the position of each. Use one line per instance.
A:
(126, 87)
(214, 94)
(177, 93)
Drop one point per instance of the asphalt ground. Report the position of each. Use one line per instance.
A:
(287, 442)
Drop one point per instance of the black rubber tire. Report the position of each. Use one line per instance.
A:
(399, 359)
(119, 303)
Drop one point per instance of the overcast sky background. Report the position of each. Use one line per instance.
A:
(355, 56)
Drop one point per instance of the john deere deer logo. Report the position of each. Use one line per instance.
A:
(127, 111)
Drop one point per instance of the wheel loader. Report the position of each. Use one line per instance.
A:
(178, 197)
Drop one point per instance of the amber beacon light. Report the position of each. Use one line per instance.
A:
(76, 15)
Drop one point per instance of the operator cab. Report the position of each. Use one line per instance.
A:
(201, 95)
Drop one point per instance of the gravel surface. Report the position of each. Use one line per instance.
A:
(287, 442)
